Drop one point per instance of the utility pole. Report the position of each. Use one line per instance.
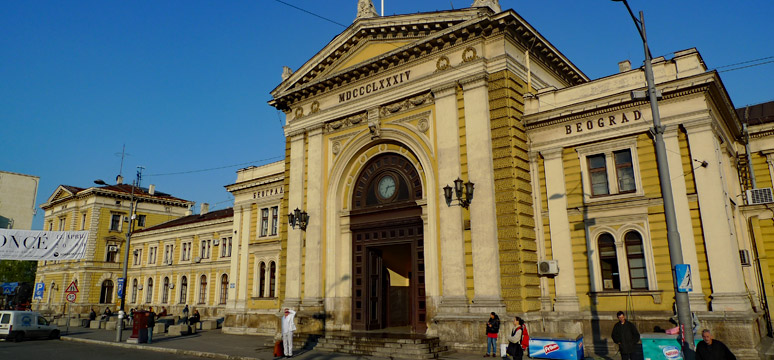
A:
(673, 236)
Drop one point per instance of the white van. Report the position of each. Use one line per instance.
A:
(18, 325)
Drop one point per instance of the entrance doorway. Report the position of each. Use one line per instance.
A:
(389, 279)
(388, 262)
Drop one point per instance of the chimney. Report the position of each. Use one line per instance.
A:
(624, 66)
(204, 209)
(151, 189)
(189, 212)
(119, 180)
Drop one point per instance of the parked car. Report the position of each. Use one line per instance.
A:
(20, 325)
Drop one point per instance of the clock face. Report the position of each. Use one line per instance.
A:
(386, 187)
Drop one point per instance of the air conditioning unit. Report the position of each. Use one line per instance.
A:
(760, 196)
(744, 256)
(172, 285)
(139, 287)
(112, 248)
(215, 242)
(197, 259)
(548, 267)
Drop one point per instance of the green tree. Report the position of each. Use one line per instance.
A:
(18, 271)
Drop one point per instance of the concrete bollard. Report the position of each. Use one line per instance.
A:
(111, 325)
(174, 330)
(209, 325)
(94, 324)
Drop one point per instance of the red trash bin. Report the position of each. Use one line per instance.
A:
(140, 327)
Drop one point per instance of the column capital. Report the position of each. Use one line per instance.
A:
(551, 154)
(695, 127)
(474, 81)
(444, 90)
(315, 131)
(671, 130)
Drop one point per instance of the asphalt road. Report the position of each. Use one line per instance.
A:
(58, 349)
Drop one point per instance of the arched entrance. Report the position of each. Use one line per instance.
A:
(388, 269)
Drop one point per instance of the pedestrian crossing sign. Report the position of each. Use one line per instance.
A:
(683, 278)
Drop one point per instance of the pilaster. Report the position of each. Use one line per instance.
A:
(295, 236)
(313, 274)
(683, 215)
(559, 224)
(452, 242)
(483, 217)
(244, 255)
(232, 302)
(728, 288)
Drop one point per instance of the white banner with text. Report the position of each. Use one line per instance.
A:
(42, 245)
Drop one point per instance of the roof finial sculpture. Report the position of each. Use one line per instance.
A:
(366, 9)
(492, 4)
(286, 72)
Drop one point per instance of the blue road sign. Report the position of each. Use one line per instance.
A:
(40, 288)
(9, 288)
(683, 278)
(120, 288)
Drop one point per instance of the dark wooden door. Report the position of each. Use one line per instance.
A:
(417, 283)
(376, 290)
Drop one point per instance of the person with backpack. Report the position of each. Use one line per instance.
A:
(518, 340)
(492, 330)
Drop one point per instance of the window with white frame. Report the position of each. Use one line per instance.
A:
(137, 256)
(165, 291)
(83, 221)
(168, 253)
(152, 255)
(205, 249)
(149, 291)
(262, 279)
(274, 220)
(272, 278)
(62, 223)
(134, 291)
(264, 221)
(183, 289)
(225, 247)
(141, 220)
(623, 260)
(185, 254)
(202, 289)
(115, 222)
(610, 169)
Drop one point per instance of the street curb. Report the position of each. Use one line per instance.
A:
(159, 349)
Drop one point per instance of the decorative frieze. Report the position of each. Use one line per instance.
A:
(338, 125)
(407, 104)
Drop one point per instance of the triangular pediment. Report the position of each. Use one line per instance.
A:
(366, 52)
(371, 38)
(60, 193)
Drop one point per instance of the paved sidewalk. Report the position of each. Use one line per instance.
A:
(215, 345)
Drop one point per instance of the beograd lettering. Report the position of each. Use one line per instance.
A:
(375, 86)
(605, 121)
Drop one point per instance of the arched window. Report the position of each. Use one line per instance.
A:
(149, 291)
(635, 257)
(165, 293)
(203, 289)
(262, 280)
(223, 289)
(106, 293)
(183, 289)
(608, 262)
(134, 291)
(272, 278)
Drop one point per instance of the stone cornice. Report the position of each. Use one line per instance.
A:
(255, 182)
(445, 90)
(178, 229)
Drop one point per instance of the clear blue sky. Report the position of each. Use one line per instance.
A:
(184, 84)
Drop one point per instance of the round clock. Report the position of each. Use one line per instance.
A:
(386, 187)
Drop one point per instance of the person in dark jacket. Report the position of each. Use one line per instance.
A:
(625, 334)
(711, 349)
(492, 329)
(151, 322)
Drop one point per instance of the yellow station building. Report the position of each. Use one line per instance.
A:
(557, 215)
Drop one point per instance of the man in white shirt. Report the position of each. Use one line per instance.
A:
(288, 327)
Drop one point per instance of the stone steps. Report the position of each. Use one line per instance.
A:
(375, 345)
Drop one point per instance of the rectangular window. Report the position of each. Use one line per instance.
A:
(137, 256)
(225, 249)
(274, 220)
(115, 222)
(624, 171)
(185, 255)
(50, 225)
(203, 250)
(141, 220)
(61, 224)
(168, 254)
(598, 174)
(83, 221)
(264, 221)
(152, 255)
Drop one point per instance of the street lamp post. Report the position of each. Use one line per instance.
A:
(673, 236)
(130, 228)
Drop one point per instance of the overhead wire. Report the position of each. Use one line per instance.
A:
(217, 168)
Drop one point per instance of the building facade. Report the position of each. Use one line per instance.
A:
(182, 262)
(18, 193)
(562, 171)
(104, 212)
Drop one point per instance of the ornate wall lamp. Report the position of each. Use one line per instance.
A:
(458, 190)
(298, 217)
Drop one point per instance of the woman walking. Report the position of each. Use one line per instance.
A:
(492, 329)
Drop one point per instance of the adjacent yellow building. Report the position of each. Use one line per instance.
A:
(104, 212)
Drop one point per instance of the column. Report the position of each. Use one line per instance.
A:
(295, 236)
(537, 205)
(244, 254)
(483, 216)
(235, 256)
(314, 273)
(728, 288)
(452, 241)
(683, 215)
(559, 225)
